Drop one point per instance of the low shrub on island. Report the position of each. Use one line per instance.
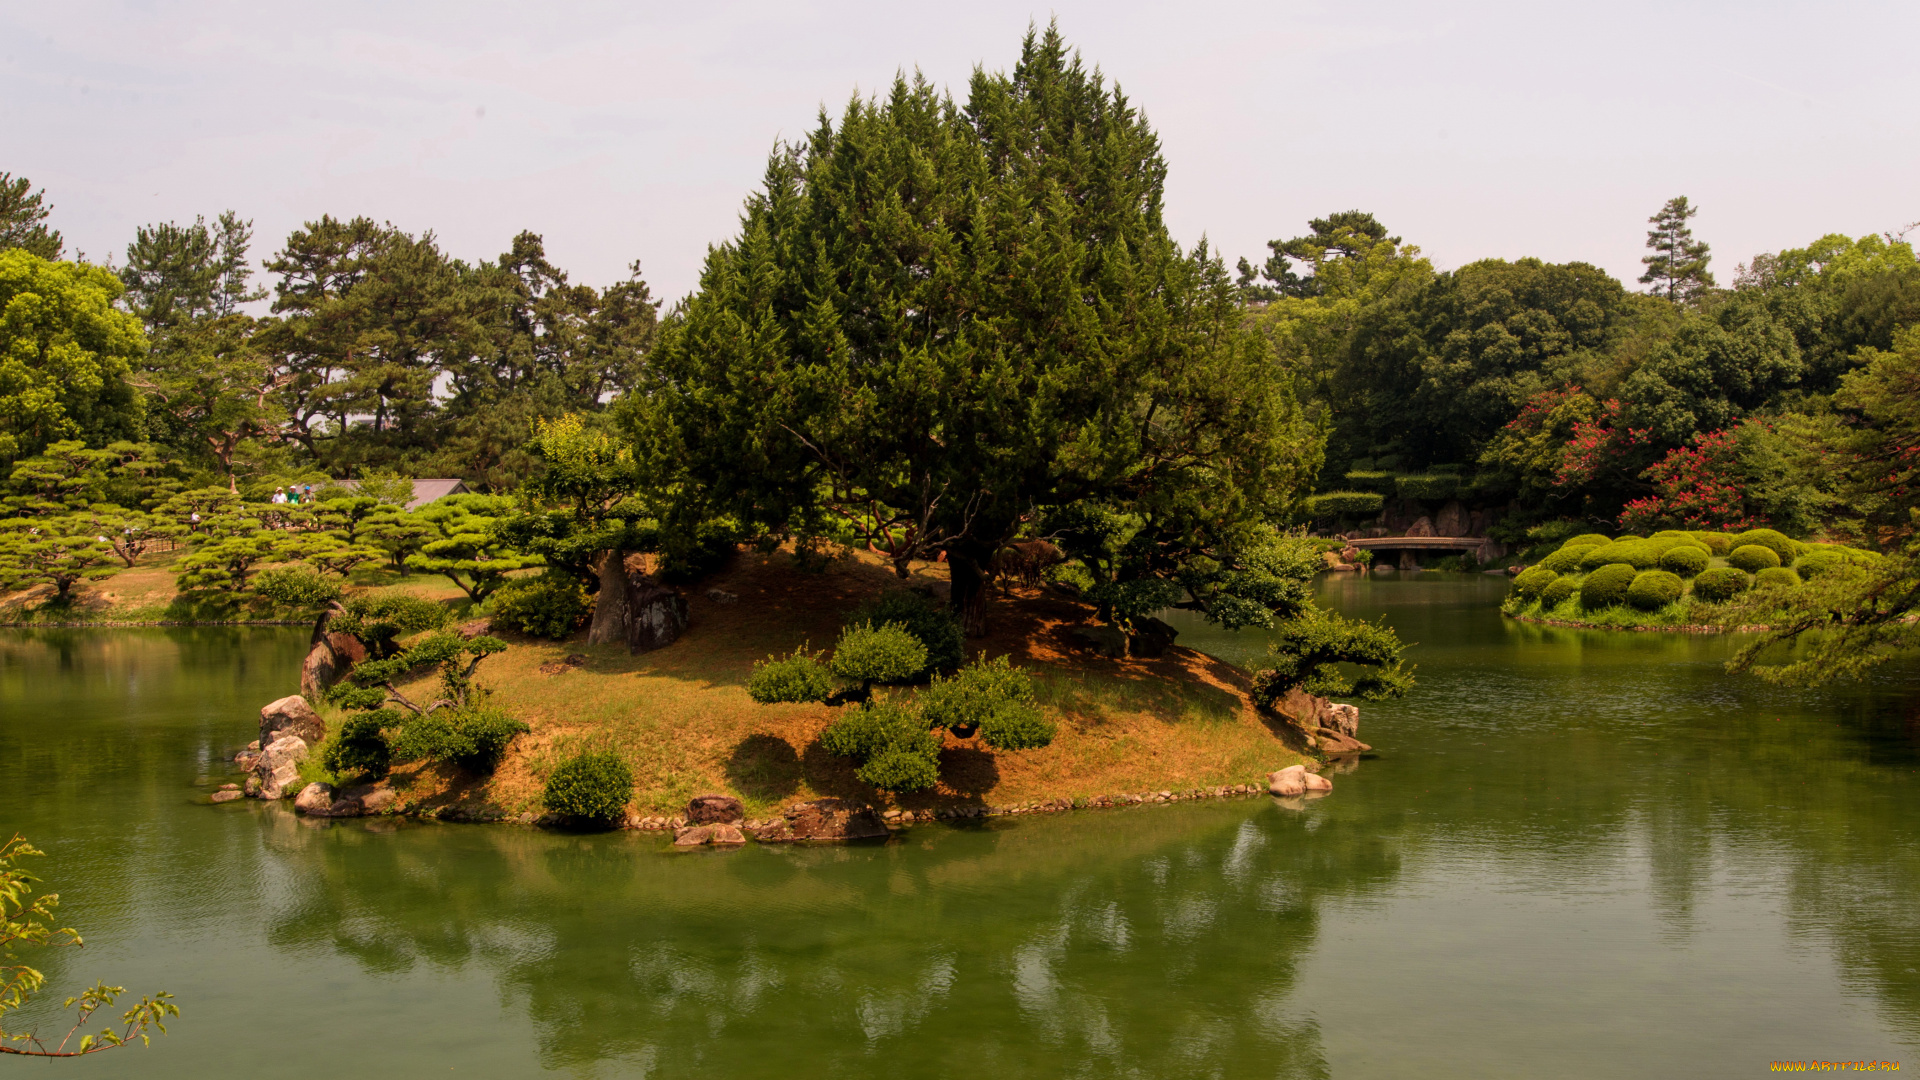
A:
(1661, 580)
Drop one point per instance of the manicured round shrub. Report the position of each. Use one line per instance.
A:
(1753, 558)
(1345, 504)
(900, 769)
(1818, 560)
(1721, 583)
(1654, 589)
(1528, 584)
(932, 624)
(1678, 533)
(1717, 543)
(1632, 551)
(549, 605)
(1777, 542)
(799, 677)
(593, 787)
(1776, 577)
(1587, 540)
(1564, 561)
(1686, 560)
(1607, 586)
(1562, 590)
(887, 653)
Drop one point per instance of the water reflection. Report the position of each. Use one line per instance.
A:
(1566, 834)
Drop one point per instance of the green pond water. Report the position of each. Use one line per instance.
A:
(1575, 854)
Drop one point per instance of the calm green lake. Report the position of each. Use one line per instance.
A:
(1576, 854)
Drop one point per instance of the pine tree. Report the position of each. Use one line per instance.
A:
(23, 218)
(1677, 269)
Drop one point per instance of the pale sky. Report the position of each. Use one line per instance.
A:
(627, 131)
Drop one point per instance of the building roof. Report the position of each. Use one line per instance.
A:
(424, 491)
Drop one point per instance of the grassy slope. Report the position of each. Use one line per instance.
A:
(145, 594)
(681, 715)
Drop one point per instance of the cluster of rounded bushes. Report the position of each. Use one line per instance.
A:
(1650, 573)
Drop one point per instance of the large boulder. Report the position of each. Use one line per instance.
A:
(315, 798)
(1451, 521)
(291, 715)
(1335, 726)
(1421, 527)
(1287, 782)
(278, 767)
(822, 820)
(656, 616)
(1105, 640)
(714, 809)
(1150, 639)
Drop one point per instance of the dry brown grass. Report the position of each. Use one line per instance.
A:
(682, 718)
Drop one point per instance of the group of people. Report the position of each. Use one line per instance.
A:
(294, 495)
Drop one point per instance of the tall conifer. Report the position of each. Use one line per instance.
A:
(1677, 267)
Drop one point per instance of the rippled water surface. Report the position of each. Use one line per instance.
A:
(1574, 854)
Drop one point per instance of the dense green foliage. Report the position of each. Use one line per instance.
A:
(991, 697)
(1317, 651)
(940, 319)
(1776, 577)
(799, 677)
(932, 626)
(1533, 580)
(867, 654)
(548, 605)
(591, 787)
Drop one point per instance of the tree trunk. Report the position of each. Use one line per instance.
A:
(610, 603)
(967, 569)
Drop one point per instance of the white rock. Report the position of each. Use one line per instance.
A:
(314, 798)
(1288, 781)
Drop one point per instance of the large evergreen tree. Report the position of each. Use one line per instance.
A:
(940, 322)
(1677, 267)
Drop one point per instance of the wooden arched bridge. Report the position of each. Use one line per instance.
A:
(1410, 547)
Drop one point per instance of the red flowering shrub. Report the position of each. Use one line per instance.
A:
(1598, 445)
(1696, 487)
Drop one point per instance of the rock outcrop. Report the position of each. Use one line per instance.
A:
(1334, 727)
(291, 716)
(1296, 780)
(330, 660)
(321, 800)
(822, 820)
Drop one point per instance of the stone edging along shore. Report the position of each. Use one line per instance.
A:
(890, 817)
(34, 624)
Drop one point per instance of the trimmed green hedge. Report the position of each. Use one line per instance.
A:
(1654, 589)
(1587, 540)
(1533, 581)
(1345, 504)
(1721, 583)
(1818, 560)
(1378, 483)
(1427, 487)
(1686, 560)
(1753, 558)
(1776, 577)
(1607, 586)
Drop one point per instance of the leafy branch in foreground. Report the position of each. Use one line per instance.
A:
(23, 922)
(1854, 617)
